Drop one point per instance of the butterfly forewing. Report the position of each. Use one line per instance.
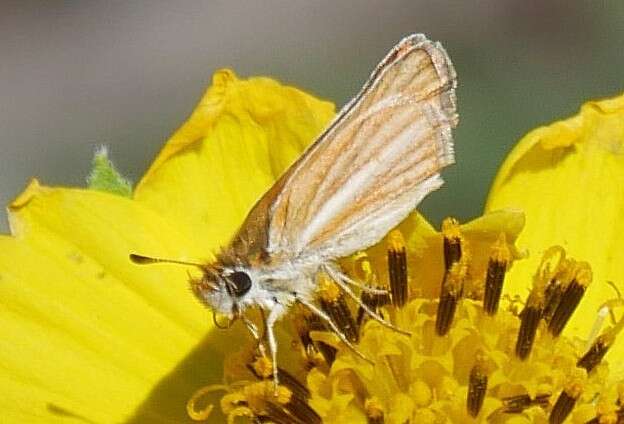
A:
(376, 161)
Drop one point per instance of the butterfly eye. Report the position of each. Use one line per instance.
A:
(241, 283)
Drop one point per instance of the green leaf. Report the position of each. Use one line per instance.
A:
(104, 176)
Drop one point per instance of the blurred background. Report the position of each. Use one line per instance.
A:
(76, 75)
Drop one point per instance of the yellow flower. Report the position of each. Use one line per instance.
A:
(86, 335)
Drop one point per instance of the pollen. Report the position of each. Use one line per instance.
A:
(453, 241)
(327, 289)
(262, 367)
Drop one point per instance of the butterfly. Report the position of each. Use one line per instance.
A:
(374, 163)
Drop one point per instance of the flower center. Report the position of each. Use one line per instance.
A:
(472, 355)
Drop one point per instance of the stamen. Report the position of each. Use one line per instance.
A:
(327, 351)
(477, 386)
(299, 391)
(596, 352)
(257, 394)
(277, 415)
(568, 397)
(374, 301)
(552, 297)
(495, 276)
(571, 297)
(299, 409)
(397, 268)
(374, 411)
(334, 304)
(262, 368)
(281, 406)
(517, 404)
(599, 349)
(529, 321)
(534, 309)
(452, 242)
(308, 323)
(450, 295)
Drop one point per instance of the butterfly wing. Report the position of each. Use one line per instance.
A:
(376, 161)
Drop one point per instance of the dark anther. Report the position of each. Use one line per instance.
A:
(313, 323)
(529, 321)
(340, 313)
(294, 408)
(328, 351)
(298, 408)
(397, 268)
(374, 301)
(286, 379)
(449, 296)
(552, 297)
(596, 352)
(276, 414)
(493, 285)
(564, 405)
(373, 411)
(333, 302)
(517, 404)
(446, 312)
(500, 257)
(379, 419)
(477, 387)
(570, 299)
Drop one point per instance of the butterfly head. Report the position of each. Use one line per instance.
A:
(222, 289)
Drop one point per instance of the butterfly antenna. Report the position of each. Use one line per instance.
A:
(146, 260)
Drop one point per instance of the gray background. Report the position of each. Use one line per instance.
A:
(75, 75)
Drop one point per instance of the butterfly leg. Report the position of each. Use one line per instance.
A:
(361, 286)
(338, 278)
(334, 328)
(276, 312)
(255, 333)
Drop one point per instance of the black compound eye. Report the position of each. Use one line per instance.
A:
(241, 283)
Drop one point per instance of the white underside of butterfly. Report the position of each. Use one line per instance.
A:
(368, 170)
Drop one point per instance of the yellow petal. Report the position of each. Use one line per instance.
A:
(568, 177)
(83, 332)
(240, 138)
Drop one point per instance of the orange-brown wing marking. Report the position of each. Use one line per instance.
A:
(377, 160)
